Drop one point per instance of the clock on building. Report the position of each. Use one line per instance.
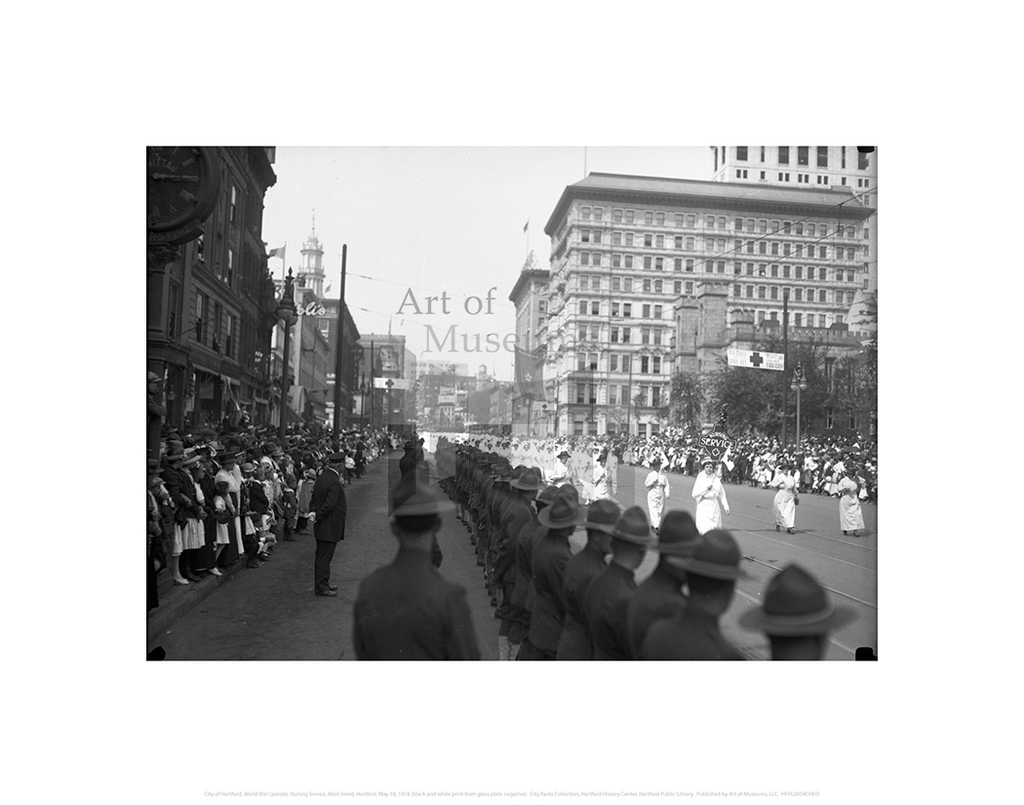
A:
(181, 190)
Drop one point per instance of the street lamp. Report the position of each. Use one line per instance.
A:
(287, 314)
(798, 385)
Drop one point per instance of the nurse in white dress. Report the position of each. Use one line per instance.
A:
(657, 492)
(784, 504)
(710, 496)
(851, 518)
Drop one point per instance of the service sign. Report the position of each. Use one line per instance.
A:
(715, 444)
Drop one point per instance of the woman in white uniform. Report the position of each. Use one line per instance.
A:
(657, 492)
(710, 496)
(851, 518)
(784, 504)
(602, 477)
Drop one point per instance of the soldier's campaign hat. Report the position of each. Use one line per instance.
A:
(633, 527)
(678, 535)
(796, 605)
(415, 496)
(528, 481)
(155, 480)
(563, 512)
(502, 473)
(716, 556)
(602, 515)
(336, 458)
(547, 495)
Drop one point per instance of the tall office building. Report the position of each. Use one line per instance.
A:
(628, 251)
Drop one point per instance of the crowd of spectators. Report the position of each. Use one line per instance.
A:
(219, 497)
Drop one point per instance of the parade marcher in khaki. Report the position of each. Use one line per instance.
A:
(605, 606)
(797, 616)
(660, 595)
(407, 610)
(550, 557)
(693, 634)
(710, 496)
(583, 568)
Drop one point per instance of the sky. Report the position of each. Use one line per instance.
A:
(431, 220)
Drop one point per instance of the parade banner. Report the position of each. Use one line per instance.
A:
(715, 445)
(775, 361)
(397, 383)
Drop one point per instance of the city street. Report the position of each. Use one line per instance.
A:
(271, 613)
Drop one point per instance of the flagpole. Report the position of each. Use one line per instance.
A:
(339, 361)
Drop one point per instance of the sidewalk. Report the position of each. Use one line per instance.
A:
(176, 601)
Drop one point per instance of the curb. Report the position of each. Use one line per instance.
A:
(183, 599)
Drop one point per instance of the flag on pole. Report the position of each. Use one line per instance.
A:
(276, 253)
(526, 225)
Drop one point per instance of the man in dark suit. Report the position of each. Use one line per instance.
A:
(327, 509)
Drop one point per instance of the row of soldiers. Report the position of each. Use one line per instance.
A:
(553, 603)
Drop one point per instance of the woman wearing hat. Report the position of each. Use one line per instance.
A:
(657, 492)
(710, 496)
(851, 518)
(784, 503)
(602, 476)
(565, 471)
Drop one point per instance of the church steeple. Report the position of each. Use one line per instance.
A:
(311, 269)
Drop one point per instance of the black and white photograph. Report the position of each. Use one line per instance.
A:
(475, 337)
(587, 403)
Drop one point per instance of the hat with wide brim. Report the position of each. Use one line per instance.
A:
(796, 605)
(633, 527)
(678, 534)
(716, 556)
(529, 481)
(415, 496)
(563, 512)
(602, 515)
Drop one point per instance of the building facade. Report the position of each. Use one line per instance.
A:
(626, 250)
(530, 297)
(214, 307)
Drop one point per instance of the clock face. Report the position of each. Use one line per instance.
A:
(176, 185)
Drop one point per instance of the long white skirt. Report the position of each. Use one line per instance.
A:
(655, 505)
(784, 509)
(708, 515)
(851, 518)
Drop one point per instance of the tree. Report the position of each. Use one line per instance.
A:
(686, 395)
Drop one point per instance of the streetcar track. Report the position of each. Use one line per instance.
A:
(808, 550)
(861, 545)
(830, 589)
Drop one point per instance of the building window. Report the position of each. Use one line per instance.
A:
(616, 284)
(585, 213)
(629, 238)
(822, 156)
(647, 262)
(656, 366)
(597, 236)
(750, 292)
(616, 238)
(762, 225)
(229, 337)
(584, 258)
(775, 292)
(822, 295)
(645, 367)
(783, 154)
(775, 248)
(762, 247)
(233, 208)
(598, 213)
(596, 259)
(775, 270)
(798, 295)
(802, 155)
(810, 230)
(200, 307)
(799, 273)
(596, 282)
(689, 287)
(677, 264)
(200, 248)
(659, 219)
(862, 160)
(762, 292)
(629, 216)
(628, 261)
(585, 235)
(595, 308)
(627, 284)
(648, 240)
(615, 335)
(689, 264)
(216, 326)
(677, 287)
(584, 282)
(659, 242)
(616, 261)
(659, 263)
(822, 252)
(625, 335)
(229, 279)
(658, 285)
(627, 310)
(645, 335)
(690, 244)
(648, 218)
(617, 216)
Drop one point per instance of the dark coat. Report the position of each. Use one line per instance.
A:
(328, 503)
(604, 609)
(583, 568)
(408, 611)
(258, 503)
(659, 597)
(689, 635)
(551, 555)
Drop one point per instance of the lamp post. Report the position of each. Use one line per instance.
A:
(798, 385)
(287, 314)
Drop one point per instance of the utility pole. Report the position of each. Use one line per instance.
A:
(339, 361)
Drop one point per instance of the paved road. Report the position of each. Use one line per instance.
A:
(271, 613)
(846, 565)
